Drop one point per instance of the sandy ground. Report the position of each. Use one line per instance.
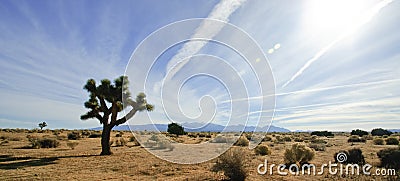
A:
(18, 162)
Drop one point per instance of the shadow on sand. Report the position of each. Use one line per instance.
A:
(8, 162)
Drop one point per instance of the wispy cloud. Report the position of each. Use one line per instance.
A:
(221, 12)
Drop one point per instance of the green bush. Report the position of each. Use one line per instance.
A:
(379, 141)
(74, 136)
(380, 132)
(356, 138)
(262, 150)
(359, 132)
(242, 141)
(390, 158)
(354, 156)
(175, 128)
(392, 141)
(322, 133)
(95, 135)
(232, 164)
(298, 154)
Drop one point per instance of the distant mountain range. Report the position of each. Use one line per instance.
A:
(209, 127)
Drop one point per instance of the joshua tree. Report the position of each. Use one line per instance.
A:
(115, 95)
(42, 125)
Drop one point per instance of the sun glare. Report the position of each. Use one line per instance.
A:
(333, 15)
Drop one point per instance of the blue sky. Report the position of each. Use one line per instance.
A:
(335, 67)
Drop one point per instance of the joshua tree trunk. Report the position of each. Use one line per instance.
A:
(105, 140)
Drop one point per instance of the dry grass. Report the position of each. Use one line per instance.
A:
(132, 162)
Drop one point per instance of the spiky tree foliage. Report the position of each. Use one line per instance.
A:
(115, 95)
(42, 125)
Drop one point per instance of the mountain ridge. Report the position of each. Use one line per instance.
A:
(189, 128)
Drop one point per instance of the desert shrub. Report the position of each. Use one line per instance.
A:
(3, 142)
(356, 138)
(322, 133)
(85, 133)
(44, 143)
(95, 135)
(368, 137)
(120, 134)
(175, 128)
(380, 132)
(379, 141)
(154, 137)
(72, 145)
(298, 139)
(149, 144)
(359, 132)
(14, 139)
(318, 141)
(317, 147)
(248, 136)
(123, 141)
(61, 137)
(165, 144)
(192, 135)
(56, 132)
(390, 158)
(132, 139)
(392, 141)
(74, 136)
(202, 135)
(34, 130)
(267, 138)
(242, 141)
(262, 150)
(298, 154)
(220, 139)
(120, 142)
(208, 136)
(385, 136)
(354, 156)
(287, 139)
(232, 164)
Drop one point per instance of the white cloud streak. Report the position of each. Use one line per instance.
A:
(222, 12)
